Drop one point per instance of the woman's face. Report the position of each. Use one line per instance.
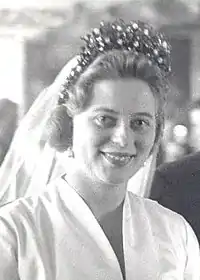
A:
(114, 135)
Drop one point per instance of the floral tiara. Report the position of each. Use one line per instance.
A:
(136, 36)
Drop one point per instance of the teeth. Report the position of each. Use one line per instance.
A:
(120, 158)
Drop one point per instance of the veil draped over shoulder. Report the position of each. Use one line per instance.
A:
(30, 162)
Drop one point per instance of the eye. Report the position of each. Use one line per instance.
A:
(140, 124)
(105, 121)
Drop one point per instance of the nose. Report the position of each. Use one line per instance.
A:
(121, 135)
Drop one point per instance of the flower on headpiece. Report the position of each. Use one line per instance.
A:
(135, 36)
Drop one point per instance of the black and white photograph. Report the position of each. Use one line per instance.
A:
(99, 139)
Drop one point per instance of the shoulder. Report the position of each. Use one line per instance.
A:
(153, 210)
(160, 220)
(179, 174)
(187, 164)
(163, 222)
(27, 208)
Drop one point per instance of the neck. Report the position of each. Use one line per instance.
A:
(102, 198)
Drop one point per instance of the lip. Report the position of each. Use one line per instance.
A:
(117, 162)
(118, 154)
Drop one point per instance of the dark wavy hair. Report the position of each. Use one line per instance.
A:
(113, 65)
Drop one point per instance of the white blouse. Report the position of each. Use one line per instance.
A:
(55, 236)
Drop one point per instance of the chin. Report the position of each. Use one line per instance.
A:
(114, 180)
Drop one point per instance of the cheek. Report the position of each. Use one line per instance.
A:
(91, 142)
(99, 141)
(145, 142)
(98, 137)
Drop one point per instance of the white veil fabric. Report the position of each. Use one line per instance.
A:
(140, 183)
(31, 163)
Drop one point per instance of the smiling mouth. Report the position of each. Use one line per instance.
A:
(118, 159)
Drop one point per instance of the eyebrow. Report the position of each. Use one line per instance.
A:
(145, 114)
(108, 110)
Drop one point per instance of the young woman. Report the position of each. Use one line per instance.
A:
(86, 225)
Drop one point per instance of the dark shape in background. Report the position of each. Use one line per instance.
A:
(8, 124)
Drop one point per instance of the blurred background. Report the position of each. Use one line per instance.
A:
(37, 37)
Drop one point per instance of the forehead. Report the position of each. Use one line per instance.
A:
(129, 95)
